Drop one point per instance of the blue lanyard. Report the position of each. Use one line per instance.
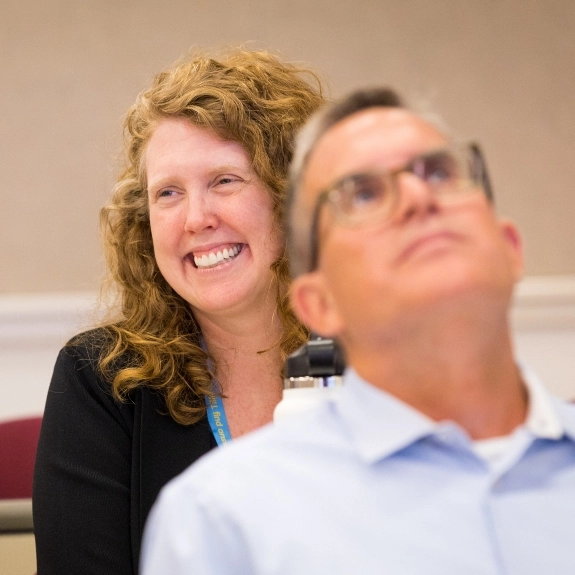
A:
(217, 418)
(216, 412)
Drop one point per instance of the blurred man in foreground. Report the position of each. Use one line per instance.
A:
(440, 456)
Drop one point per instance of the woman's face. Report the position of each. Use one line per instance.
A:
(211, 218)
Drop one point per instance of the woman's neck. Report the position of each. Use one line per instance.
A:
(248, 365)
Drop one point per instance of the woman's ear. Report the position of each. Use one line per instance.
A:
(314, 306)
(514, 243)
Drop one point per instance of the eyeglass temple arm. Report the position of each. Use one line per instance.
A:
(480, 170)
(314, 232)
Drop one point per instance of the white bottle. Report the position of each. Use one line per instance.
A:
(312, 374)
(302, 393)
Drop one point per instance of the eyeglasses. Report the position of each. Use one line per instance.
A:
(372, 197)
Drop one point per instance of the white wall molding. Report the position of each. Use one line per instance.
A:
(28, 318)
(33, 327)
(544, 302)
(540, 302)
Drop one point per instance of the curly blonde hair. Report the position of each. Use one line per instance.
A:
(250, 97)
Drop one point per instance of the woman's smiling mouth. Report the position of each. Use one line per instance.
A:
(217, 257)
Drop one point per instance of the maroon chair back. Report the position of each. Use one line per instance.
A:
(18, 443)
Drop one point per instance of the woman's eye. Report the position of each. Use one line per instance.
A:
(228, 184)
(167, 194)
(228, 180)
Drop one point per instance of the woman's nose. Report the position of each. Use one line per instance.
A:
(200, 214)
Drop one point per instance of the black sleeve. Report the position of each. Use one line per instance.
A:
(81, 495)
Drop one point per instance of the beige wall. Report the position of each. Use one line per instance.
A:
(501, 71)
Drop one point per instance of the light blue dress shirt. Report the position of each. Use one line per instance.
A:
(367, 485)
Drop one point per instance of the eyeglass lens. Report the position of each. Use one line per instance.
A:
(359, 194)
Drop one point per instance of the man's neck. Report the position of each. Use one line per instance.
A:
(458, 367)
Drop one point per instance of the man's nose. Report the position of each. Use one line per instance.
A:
(416, 197)
(200, 213)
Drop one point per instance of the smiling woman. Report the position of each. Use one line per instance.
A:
(202, 205)
(195, 251)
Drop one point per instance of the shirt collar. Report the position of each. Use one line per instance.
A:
(382, 425)
(542, 418)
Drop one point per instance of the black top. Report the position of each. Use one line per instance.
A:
(99, 467)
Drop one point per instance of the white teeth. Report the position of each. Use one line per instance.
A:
(212, 259)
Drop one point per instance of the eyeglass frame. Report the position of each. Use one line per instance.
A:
(478, 168)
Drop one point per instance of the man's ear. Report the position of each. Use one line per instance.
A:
(314, 306)
(512, 238)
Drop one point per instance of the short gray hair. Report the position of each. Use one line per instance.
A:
(298, 221)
